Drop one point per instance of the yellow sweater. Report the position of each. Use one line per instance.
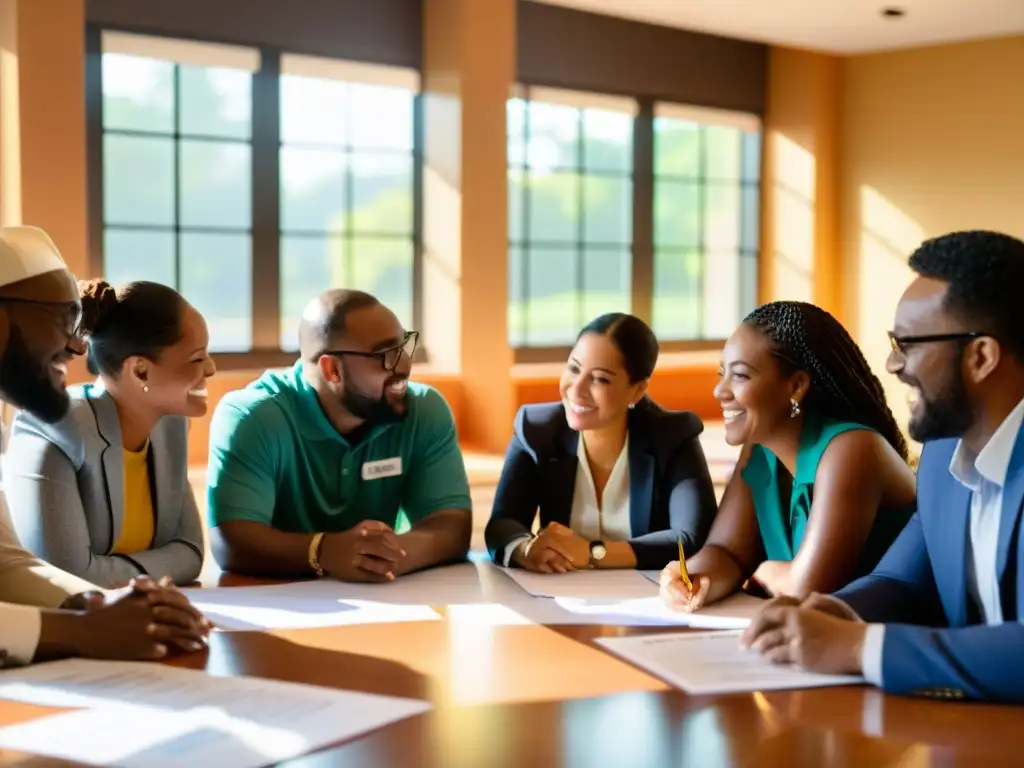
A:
(137, 526)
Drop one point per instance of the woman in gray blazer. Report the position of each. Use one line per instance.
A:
(104, 492)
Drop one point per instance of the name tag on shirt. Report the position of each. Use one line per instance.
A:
(375, 470)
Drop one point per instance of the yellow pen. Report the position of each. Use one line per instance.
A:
(682, 568)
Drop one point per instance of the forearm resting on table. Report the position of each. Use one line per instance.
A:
(439, 537)
(244, 546)
(59, 635)
(720, 567)
(775, 576)
(618, 554)
(797, 579)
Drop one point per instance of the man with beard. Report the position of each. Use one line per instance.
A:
(942, 614)
(39, 314)
(310, 467)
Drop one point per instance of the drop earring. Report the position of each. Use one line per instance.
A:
(794, 408)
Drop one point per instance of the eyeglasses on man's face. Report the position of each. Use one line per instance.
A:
(900, 344)
(68, 313)
(389, 358)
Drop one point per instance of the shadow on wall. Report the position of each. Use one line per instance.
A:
(887, 238)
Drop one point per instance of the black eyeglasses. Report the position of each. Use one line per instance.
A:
(900, 343)
(389, 357)
(68, 311)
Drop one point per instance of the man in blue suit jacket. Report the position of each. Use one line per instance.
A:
(943, 613)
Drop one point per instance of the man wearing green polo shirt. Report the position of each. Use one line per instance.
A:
(310, 467)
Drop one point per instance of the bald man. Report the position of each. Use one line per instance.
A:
(310, 467)
(39, 314)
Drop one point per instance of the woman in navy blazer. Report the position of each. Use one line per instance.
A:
(617, 479)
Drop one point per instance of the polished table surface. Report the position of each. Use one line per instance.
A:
(511, 693)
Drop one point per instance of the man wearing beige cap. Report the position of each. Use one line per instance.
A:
(39, 314)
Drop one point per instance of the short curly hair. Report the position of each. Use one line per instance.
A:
(985, 273)
(843, 387)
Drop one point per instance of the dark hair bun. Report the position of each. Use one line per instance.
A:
(634, 339)
(99, 300)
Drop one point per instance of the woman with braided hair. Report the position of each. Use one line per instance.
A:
(822, 486)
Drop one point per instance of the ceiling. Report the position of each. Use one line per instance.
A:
(835, 26)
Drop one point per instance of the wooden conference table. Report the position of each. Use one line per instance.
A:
(509, 694)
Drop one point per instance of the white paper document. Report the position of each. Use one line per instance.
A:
(621, 584)
(151, 715)
(713, 662)
(301, 605)
(734, 612)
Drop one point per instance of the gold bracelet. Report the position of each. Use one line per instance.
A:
(314, 554)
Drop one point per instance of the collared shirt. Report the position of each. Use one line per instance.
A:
(984, 474)
(276, 459)
(607, 518)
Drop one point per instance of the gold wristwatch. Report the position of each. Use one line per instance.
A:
(314, 554)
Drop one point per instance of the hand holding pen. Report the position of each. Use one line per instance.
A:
(677, 588)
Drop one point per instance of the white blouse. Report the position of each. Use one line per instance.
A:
(607, 520)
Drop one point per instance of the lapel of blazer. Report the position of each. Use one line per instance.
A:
(162, 485)
(1013, 498)
(111, 457)
(952, 564)
(641, 474)
(561, 483)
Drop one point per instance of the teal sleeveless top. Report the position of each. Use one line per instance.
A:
(782, 530)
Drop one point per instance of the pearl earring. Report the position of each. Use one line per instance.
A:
(794, 408)
(632, 406)
(145, 388)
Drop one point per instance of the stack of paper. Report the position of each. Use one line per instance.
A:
(151, 715)
(714, 662)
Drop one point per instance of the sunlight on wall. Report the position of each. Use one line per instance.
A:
(888, 237)
(442, 270)
(442, 229)
(792, 179)
(10, 118)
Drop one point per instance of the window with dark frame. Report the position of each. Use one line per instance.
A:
(177, 187)
(570, 198)
(707, 170)
(182, 155)
(347, 168)
(615, 204)
(684, 225)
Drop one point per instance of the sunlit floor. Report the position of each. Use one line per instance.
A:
(485, 468)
